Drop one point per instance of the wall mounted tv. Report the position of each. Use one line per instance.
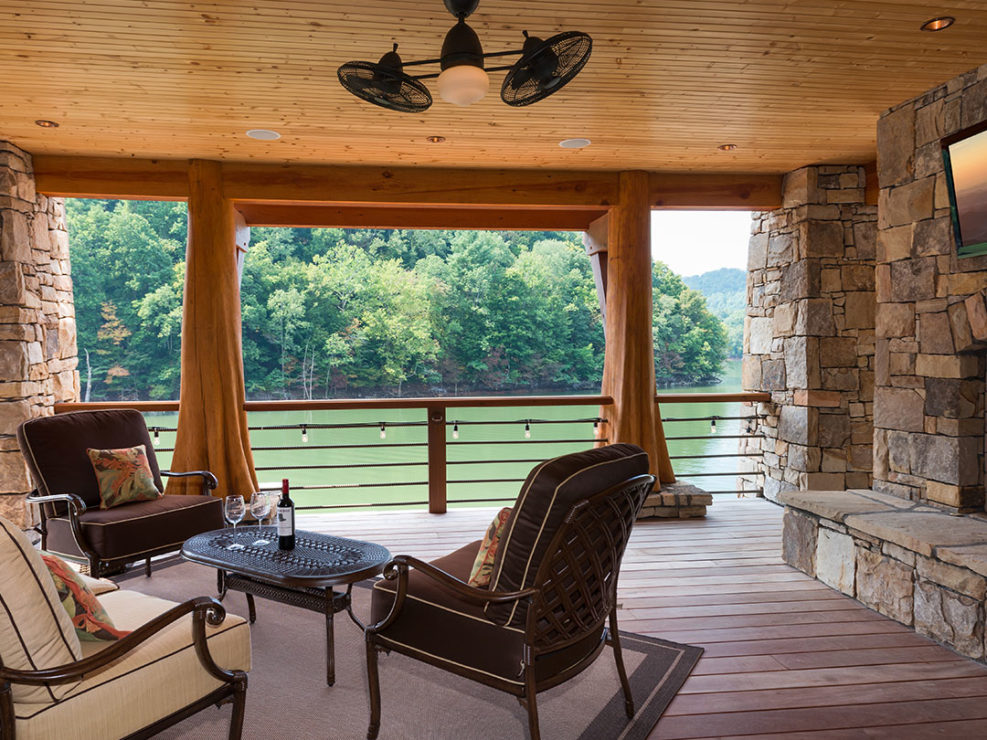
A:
(965, 157)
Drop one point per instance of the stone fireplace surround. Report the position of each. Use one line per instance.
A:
(913, 544)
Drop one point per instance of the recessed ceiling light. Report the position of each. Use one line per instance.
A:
(263, 134)
(45, 124)
(938, 24)
(574, 143)
(727, 147)
(435, 139)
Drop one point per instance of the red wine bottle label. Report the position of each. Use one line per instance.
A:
(286, 521)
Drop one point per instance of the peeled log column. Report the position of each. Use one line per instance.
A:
(629, 369)
(212, 424)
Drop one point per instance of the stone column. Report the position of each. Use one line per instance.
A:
(37, 318)
(809, 333)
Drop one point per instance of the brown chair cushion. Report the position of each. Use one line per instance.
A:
(55, 449)
(438, 627)
(546, 497)
(132, 529)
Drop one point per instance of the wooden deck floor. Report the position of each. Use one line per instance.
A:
(786, 656)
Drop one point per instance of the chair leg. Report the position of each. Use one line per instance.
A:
(147, 568)
(239, 704)
(531, 702)
(94, 570)
(373, 682)
(619, 658)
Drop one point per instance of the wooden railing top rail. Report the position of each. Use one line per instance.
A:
(416, 403)
(739, 397)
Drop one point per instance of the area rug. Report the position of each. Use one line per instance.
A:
(287, 696)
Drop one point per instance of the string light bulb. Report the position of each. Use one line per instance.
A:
(304, 434)
(527, 429)
(712, 425)
(157, 436)
(596, 424)
(455, 430)
(383, 431)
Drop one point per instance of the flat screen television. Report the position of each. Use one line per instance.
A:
(965, 157)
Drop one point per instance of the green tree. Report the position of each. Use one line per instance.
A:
(690, 343)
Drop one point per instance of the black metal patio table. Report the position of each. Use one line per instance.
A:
(304, 577)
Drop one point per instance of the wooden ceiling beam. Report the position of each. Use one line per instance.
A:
(439, 186)
(715, 192)
(416, 217)
(556, 190)
(111, 177)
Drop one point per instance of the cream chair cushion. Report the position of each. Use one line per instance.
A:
(160, 677)
(35, 630)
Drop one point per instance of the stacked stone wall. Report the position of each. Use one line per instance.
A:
(809, 334)
(931, 313)
(37, 318)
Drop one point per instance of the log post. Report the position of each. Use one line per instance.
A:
(629, 364)
(212, 424)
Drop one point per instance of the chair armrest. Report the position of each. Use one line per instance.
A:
(400, 565)
(76, 504)
(203, 608)
(458, 587)
(209, 481)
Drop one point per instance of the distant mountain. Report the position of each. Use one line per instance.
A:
(726, 297)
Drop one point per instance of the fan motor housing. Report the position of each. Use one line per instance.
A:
(461, 8)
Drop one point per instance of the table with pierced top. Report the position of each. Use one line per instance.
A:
(305, 577)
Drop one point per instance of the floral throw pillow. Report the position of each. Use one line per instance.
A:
(124, 476)
(88, 616)
(483, 565)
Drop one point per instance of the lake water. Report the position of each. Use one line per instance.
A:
(488, 460)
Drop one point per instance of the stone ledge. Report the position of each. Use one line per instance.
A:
(916, 564)
(676, 501)
(837, 505)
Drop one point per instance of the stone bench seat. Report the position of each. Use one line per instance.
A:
(916, 564)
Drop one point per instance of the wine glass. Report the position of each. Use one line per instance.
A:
(260, 504)
(234, 510)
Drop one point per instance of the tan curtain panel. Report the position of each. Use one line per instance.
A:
(212, 425)
(629, 369)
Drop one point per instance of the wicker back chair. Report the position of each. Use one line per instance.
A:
(427, 611)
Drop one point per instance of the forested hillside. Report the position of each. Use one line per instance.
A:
(726, 297)
(331, 312)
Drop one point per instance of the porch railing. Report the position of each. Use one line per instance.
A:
(428, 447)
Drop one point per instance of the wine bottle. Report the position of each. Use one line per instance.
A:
(286, 519)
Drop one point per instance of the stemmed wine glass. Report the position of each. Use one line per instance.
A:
(260, 504)
(234, 510)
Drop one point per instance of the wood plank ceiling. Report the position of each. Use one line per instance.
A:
(789, 82)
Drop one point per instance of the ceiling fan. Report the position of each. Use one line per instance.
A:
(544, 68)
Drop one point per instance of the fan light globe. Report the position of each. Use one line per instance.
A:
(463, 84)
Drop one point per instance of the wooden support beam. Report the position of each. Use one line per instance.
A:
(629, 361)
(417, 217)
(111, 177)
(715, 192)
(212, 423)
(872, 187)
(341, 184)
(163, 179)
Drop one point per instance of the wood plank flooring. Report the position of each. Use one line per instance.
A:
(786, 657)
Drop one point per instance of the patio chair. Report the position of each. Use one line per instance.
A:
(73, 524)
(553, 587)
(177, 659)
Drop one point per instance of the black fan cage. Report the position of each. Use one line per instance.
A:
(388, 88)
(572, 49)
